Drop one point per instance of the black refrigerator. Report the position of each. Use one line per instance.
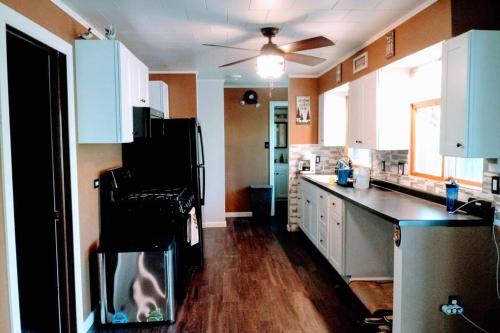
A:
(172, 157)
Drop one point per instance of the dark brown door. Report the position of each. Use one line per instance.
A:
(40, 171)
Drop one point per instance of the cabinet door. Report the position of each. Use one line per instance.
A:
(369, 112)
(321, 119)
(143, 84)
(336, 242)
(454, 96)
(355, 114)
(281, 185)
(313, 221)
(126, 124)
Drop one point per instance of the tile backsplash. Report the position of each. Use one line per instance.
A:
(391, 174)
(328, 161)
(393, 160)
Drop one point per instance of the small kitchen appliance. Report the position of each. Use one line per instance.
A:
(307, 164)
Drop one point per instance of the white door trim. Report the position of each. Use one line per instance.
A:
(272, 143)
(21, 23)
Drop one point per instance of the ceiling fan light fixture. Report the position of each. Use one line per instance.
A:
(270, 66)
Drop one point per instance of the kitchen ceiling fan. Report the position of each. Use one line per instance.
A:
(271, 59)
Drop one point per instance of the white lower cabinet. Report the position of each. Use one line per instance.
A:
(321, 217)
(336, 241)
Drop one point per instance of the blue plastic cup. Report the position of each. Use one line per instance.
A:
(451, 197)
(343, 175)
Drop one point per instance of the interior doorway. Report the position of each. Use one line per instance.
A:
(278, 153)
(38, 112)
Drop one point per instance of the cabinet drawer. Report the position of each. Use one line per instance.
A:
(335, 205)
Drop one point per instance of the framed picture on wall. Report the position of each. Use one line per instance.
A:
(303, 114)
(389, 44)
(338, 73)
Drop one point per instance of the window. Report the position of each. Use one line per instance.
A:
(360, 157)
(425, 160)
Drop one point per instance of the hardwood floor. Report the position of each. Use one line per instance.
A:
(260, 278)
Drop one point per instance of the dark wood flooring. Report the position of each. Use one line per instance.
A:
(260, 278)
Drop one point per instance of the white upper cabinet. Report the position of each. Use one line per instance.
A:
(110, 81)
(332, 118)
(158, 97)
(470, 98)
(379, 113)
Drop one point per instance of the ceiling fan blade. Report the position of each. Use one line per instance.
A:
(230, 47)
(237, 62)
(303, 59)
(307, 44)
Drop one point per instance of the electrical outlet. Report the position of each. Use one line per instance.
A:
(495, 185)
(318, 159)
(453, 307)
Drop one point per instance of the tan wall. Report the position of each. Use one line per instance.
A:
(246, 131)
(428, 27)
(303, 133)
(182, 93)
(92, 159)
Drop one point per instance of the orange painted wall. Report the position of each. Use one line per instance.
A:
(428, 27)
(92, 159)
(246, 128)
(303, 133)
(182, 93)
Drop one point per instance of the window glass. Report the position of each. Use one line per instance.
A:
(469, 169)
(425, 158)
(426, 141)
(360, 157)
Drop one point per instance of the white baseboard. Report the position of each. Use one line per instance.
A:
(238, 214)
(89, 321)
(214, 224)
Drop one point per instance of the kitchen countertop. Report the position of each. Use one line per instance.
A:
(396, 207)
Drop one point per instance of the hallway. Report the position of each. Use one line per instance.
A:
(260, 278)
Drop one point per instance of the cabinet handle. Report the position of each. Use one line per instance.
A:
(321, 241)
(321, 216)
(143, 100)
(333, 203)
(308, 201)
(321, 196)
(459, 145)
(338, 223)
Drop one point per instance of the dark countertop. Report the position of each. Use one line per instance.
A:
(400, 208)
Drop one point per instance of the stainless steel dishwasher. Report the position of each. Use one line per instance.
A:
(137, 287)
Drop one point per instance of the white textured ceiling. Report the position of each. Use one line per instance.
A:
(167, 34)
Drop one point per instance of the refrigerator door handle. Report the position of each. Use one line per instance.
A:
(202, 199)
(202, 148)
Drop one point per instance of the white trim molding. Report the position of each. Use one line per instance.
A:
(175, 72)
(215, 224)
(72, 13)
(10, 17)
(249, 86)
(299, 76)
(239, 214)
